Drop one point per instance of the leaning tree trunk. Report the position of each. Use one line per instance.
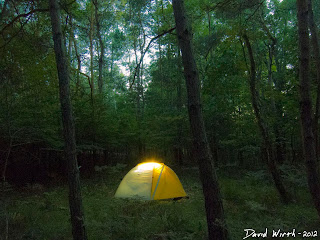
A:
(263, 129)
(75, 200)
(316, 51)
(213, 203)
(306, 105)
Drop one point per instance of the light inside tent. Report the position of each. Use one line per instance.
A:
(148, 166)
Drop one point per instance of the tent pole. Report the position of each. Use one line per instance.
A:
(155, 189)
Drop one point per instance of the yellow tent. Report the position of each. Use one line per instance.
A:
(150, 181)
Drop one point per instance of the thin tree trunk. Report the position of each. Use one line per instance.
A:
(275, 111)
(316, 51)
(8, 119)
(306, 104)
(6, 160)
(160, 58)
(69, 53)
(138, 102)
(217, 228)
(92, 84)
(111, 64)
(75, 199)
(78, 64)
(293, 149)
(91, 52)
(161, 69)
(101, 58)
(263, 129)
(77, 55)
(179, 110)
(138, 46)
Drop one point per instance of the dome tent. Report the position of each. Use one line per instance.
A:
(150, 181)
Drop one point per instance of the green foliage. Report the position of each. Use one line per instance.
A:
(152, 114)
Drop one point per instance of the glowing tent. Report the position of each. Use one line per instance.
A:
(150, 181)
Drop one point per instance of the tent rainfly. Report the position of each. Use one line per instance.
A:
(150, 181)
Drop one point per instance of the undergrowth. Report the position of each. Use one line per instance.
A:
(249, 198)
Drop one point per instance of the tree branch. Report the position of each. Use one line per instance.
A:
(144, 52)
(22, 16)
(87, 76)
(15, 34)
(266, 29)
(254, 12)
(244, 54)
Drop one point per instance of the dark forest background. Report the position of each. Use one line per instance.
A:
(134, 108)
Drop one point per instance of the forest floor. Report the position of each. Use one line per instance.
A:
(250, 202)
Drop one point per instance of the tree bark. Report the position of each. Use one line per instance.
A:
(139, 103)
(77, 55)
(316, 51)
(306, 104)
(91, 51)
(217, 228)
(75, 199)
(179, 151)
(263, 129)
(101, 58)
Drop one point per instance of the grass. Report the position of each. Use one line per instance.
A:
(249, 198)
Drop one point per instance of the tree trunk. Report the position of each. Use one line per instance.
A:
(75, 199)
(8, 119)
(306, 104)
(316, 51)
(6, 160)
(263, 129)
(139, 96)
(274, 110)
(217, 228)
(101, 58)
(111, 64)
(77, 55)
(179, 155)
(91, 52)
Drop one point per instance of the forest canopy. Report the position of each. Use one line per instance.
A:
(129, 96)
